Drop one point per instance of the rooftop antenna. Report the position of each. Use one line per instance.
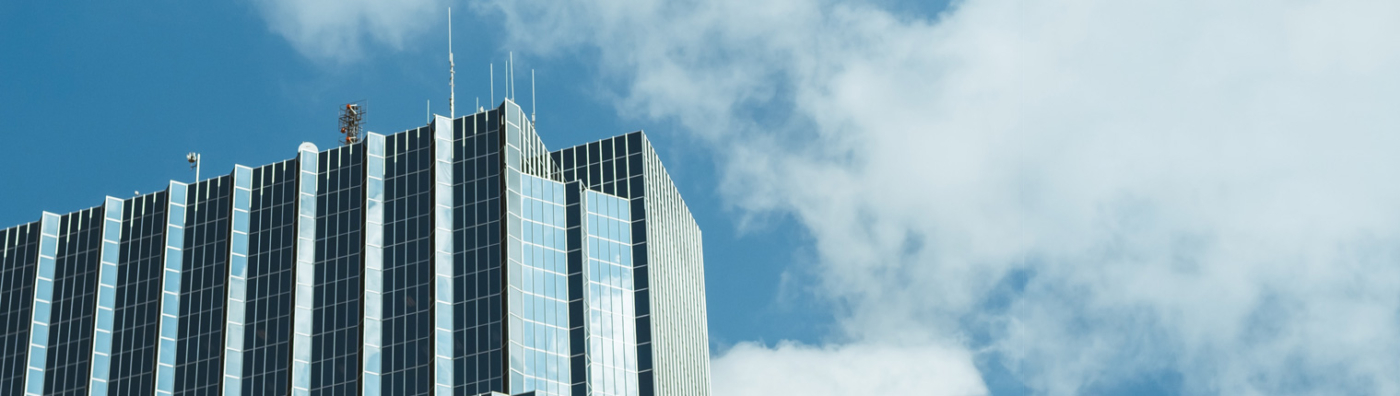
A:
(352, 118)
(532, 95)
(510, 75)
(429, 112)
(451, 70)
(492, 69)
(193, 158)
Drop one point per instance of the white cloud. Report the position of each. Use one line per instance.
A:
(1200, 187)
(795, 369)
(1191, 186)
(339, 30)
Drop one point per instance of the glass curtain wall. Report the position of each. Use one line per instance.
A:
(668, 265)
(203, 277)
(67, 367)
(611, 328)
(477, 227)
(336, 308)
(407, 266)
(538, 294)
(19, 254)
(267, 329)
(136, 331)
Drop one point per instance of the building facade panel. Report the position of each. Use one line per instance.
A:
(408, 266)
(671, 332)
(611, 352)
(205, 252)
(536, 294)
(537, 291)
(136, 329)
(477, 229)
(676, 280)
(269, 280)
(336, 302)
(18, 265)
(67, 367)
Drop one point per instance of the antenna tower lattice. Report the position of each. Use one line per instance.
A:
(352, 119)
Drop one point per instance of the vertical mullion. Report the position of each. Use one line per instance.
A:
(305, 270)
(106, 296)
(167, 347)
(442, 254)
(234, 347)
(43, 304)
(374, 263)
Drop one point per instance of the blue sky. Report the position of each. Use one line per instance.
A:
(902, 197)
(106, 99)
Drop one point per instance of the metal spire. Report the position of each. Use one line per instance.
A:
(451, 70)
(532, 95)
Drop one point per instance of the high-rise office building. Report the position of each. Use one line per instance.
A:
(460, 258)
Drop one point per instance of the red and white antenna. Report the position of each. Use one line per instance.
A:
(352, 119)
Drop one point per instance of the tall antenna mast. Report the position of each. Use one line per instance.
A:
(451, 70)
(532, 95)
(510, 75)
(492, 69)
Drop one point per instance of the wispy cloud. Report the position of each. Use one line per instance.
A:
(1196, 187)
(340, 31)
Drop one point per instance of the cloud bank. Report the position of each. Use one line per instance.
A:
(1101, 190)
(1087, 192)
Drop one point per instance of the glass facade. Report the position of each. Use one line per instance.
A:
(611, 354)
(268, 281)
(203, 280)
(538, 288)
(139, 267)
(74, 303)
(477, 227)
(407, 348)
(461, 257)
(18, 258)
(668, 266)
(335, 312)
